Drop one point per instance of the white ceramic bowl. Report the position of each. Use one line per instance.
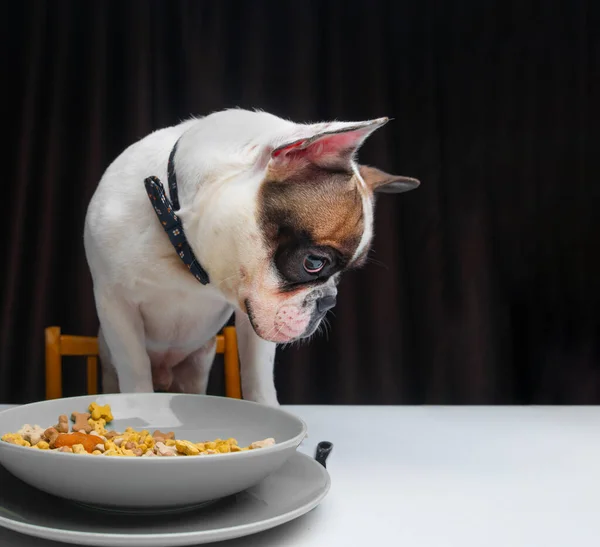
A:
(155, 484)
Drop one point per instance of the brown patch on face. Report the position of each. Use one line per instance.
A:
(323, 206)
(311, 209)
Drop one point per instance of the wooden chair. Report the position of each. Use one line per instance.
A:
(59, 345)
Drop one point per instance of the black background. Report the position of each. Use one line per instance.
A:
(485, 282)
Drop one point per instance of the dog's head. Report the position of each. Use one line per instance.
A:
(312, 219)
(315, 215)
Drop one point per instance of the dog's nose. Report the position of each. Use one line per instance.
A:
(325, 303)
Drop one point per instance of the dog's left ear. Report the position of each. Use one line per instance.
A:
(384, 183)
(332, 145)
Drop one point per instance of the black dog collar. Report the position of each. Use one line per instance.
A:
(165, 211)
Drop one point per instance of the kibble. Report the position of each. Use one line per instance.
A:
(89, 436)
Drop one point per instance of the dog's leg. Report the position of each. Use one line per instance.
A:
(123, 330)
(257, 358)
(110, 380)
(191, 375)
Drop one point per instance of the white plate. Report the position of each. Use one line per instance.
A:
(288, 493)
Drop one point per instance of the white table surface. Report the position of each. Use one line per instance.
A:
(445, 477)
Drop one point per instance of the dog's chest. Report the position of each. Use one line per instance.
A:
(177, 324)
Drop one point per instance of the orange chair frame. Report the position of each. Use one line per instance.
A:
(60, 345)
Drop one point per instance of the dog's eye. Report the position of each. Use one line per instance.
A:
(313, 264)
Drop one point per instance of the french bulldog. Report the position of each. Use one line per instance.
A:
(260, 217)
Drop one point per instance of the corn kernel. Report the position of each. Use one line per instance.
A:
(187, 448)
(133, 438)
(79, 449)
(15, 438)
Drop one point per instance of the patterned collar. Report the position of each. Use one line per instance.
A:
(165, 211)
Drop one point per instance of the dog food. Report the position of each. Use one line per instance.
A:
(89, 436)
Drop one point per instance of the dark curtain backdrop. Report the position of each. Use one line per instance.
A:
(485, 282)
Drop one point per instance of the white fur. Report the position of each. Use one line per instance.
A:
(158, 322)
(367, 205)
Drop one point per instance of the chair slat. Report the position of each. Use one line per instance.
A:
(92, 375)
(59, 345)
(233, 386)
(53, 364)
(78, 345)
(220, 343)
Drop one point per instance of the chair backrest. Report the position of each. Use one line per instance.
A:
(60, 345)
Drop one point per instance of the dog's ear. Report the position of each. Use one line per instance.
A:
(332, 145)
(384, 183)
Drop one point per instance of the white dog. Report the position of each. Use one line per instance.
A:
(260, 217)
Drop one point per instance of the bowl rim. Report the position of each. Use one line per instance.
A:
(277, 447)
